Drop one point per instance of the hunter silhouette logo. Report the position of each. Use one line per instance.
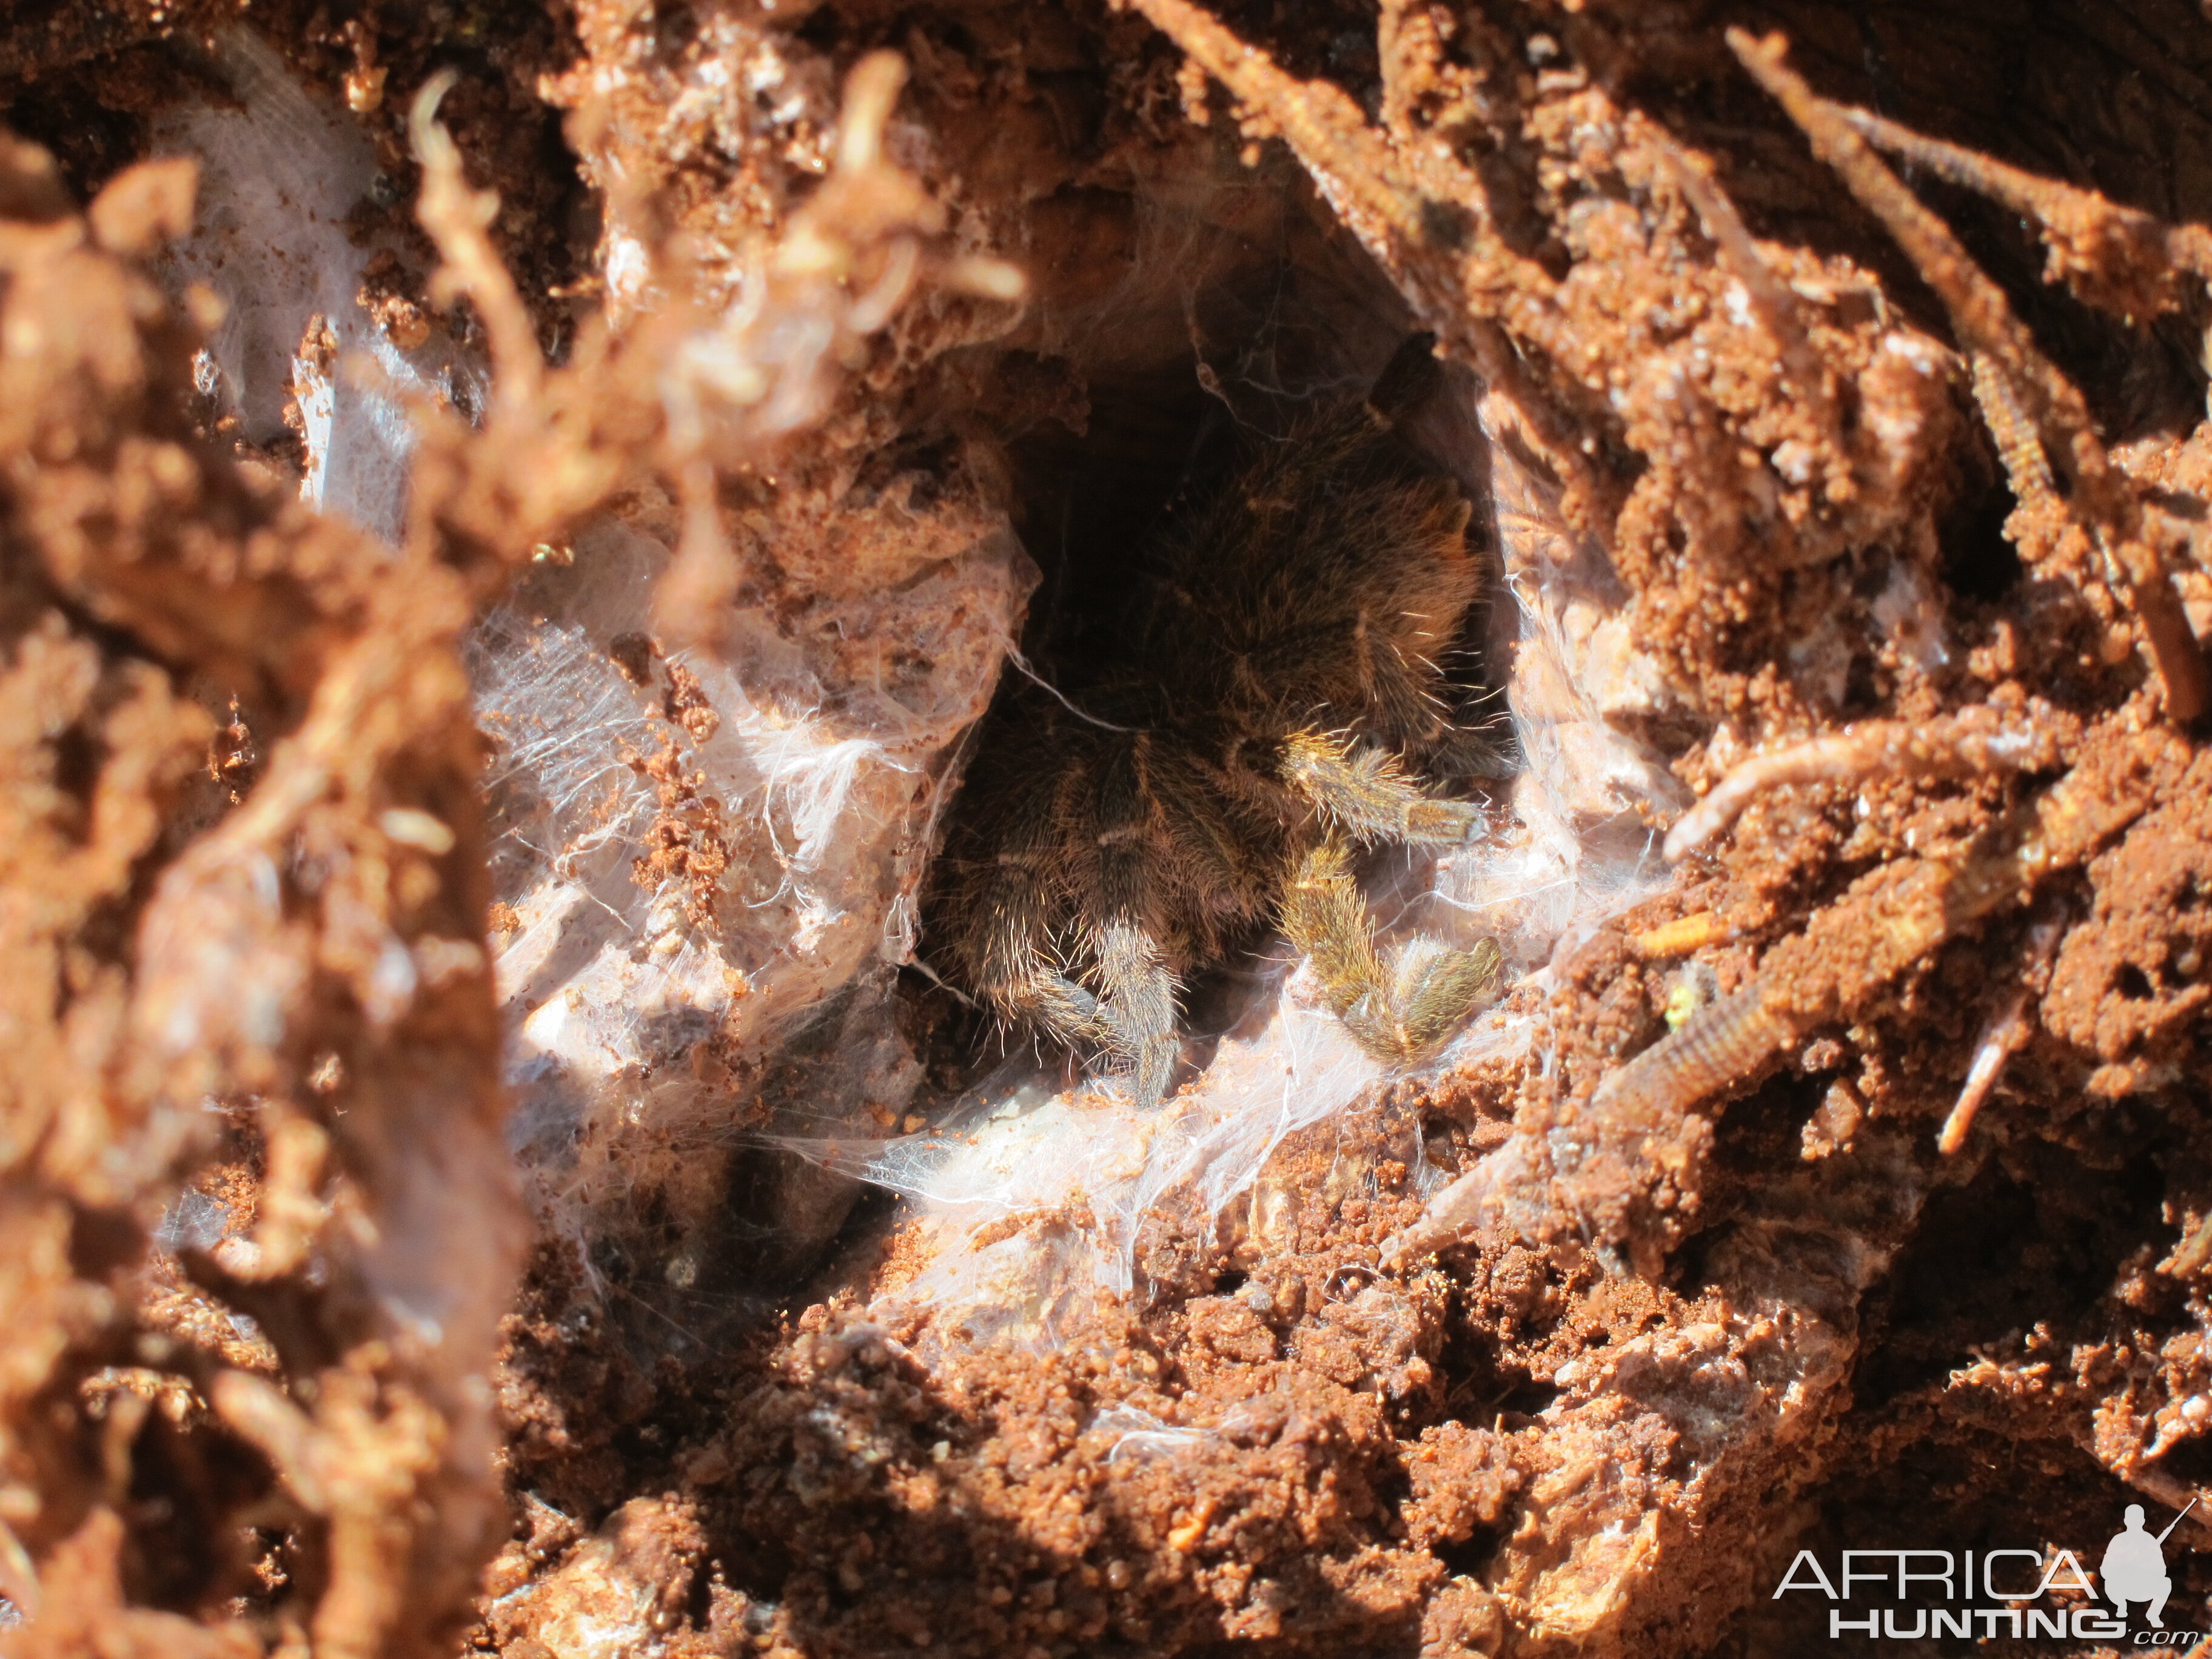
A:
(2133, 1567)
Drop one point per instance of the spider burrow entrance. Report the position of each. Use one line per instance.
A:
(1273, 695)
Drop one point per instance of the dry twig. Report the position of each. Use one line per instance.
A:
(2020, 389)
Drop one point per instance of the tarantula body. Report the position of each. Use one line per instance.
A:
(1278, 683)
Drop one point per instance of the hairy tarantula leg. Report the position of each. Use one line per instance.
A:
(1123, 916)
(1368, 796)
(1066, 1010)
(1019, 981)
(1326, 921)
(1054, 1005)
(1139, 1008)
(1012, 910)
(1400, 1015)
(1202, 834)
(1435, 989)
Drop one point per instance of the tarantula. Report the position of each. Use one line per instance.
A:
(1278, 673)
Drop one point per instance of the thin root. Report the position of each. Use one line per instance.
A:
(2102, 504)
(457, 219)
(2004, 1036)
(2117, 258)
(1959, 747)
(2001, 1039)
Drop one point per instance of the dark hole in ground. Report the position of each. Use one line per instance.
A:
(1238, 316)
(1527, 1400)
(2006, 1253)
(1978, 560)
(1470, 1555)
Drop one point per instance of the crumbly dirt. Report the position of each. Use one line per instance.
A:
(1701, 1326)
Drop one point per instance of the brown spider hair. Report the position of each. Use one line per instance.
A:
(1278, 674)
